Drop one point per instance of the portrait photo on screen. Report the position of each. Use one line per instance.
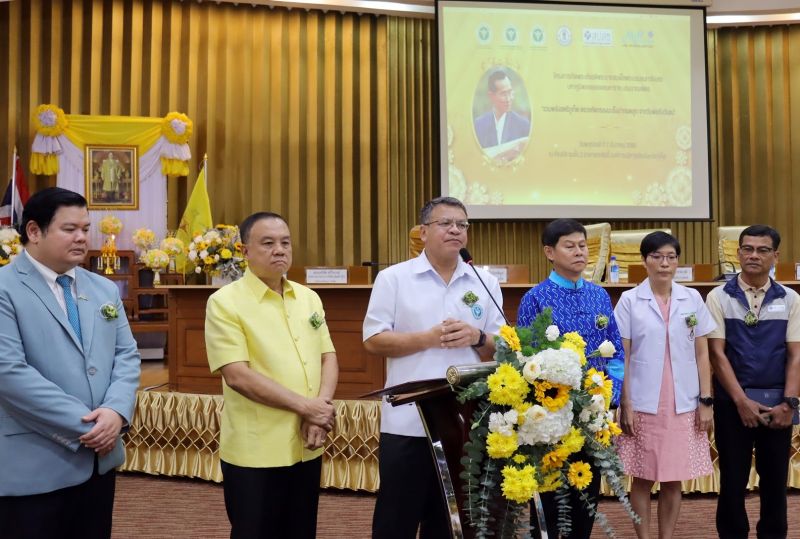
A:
(502, 114)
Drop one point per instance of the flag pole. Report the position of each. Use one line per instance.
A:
(13, 184)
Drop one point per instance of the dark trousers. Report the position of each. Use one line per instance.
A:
(735, 444)
(272, 502)
(410, 495)
(582, 522)
(83, 511)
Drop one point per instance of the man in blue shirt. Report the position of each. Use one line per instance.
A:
(584, 307)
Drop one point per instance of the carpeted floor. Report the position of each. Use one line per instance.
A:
(150, 507)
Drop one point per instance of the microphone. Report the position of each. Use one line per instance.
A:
(466, 257)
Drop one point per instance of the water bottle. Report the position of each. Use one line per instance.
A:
(613, 271)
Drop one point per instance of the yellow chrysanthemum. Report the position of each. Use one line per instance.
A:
(554, 459)
(209, 261)
(519, 484)
(596, 383)
(550, 482)
(519, 459)
(603, 436)
(507, 386)
(509, 334)
(573, 441)
(499, 446)
(573, 341)
(614, 429)
(552, 396)
(225, 254)
(579, 475)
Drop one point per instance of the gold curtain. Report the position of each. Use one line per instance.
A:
(330, 118)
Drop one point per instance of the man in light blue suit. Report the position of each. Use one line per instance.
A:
(69, 370)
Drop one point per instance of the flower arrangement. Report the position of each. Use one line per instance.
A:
(542, 424)
(143, 238)
(110, 225)
(155, 259)
(176, 128)
(218, 251)
(750, 318)
(10, 245)
(172, 246)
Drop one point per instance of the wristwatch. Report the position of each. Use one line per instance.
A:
(481, 340)
(793, 402)
(706, 401)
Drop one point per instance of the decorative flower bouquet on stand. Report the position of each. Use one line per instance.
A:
(157, 260)
(536, 410)
(144, 239)
(218, 252)
(10, 245)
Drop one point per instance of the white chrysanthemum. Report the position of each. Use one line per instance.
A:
(503, 423)
(597, 379)
(532, 370)
(197, 269)
(203, 254)
(7, 249)
(560, 366)
(552, 333)
(545, 427)
(212, 236)
(193, 255)
(585, 416)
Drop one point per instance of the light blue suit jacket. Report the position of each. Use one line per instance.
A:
(49, 380)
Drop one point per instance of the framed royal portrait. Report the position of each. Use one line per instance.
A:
(112, 177)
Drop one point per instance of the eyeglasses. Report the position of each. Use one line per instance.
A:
(446, 224)
(658, 257)
(749, 249)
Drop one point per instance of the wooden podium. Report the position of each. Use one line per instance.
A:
(447, 425)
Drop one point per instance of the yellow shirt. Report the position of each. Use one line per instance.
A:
(247, 321)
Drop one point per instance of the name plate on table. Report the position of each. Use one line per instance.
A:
(684, 274)
(500, 273)
(326, 275)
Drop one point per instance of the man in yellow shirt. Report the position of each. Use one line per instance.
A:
(268, 338)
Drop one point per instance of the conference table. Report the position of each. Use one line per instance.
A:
(177, 432)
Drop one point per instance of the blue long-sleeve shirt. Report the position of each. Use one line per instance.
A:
(575, 308)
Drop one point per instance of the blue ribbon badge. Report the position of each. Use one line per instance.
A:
(477, 311)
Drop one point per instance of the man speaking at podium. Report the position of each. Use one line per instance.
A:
(424, 315)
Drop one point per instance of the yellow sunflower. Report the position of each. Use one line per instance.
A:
(603, 436)
(552, 396)
(579, 475)
(553, 460)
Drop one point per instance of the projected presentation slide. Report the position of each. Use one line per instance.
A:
(559, 110)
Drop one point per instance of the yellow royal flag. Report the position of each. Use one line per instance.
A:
(196, 218)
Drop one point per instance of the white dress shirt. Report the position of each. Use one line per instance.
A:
(411, 297)
(50, 278)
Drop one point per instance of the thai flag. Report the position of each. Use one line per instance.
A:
(15, 197)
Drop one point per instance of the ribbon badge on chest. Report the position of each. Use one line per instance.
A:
(477, 311)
